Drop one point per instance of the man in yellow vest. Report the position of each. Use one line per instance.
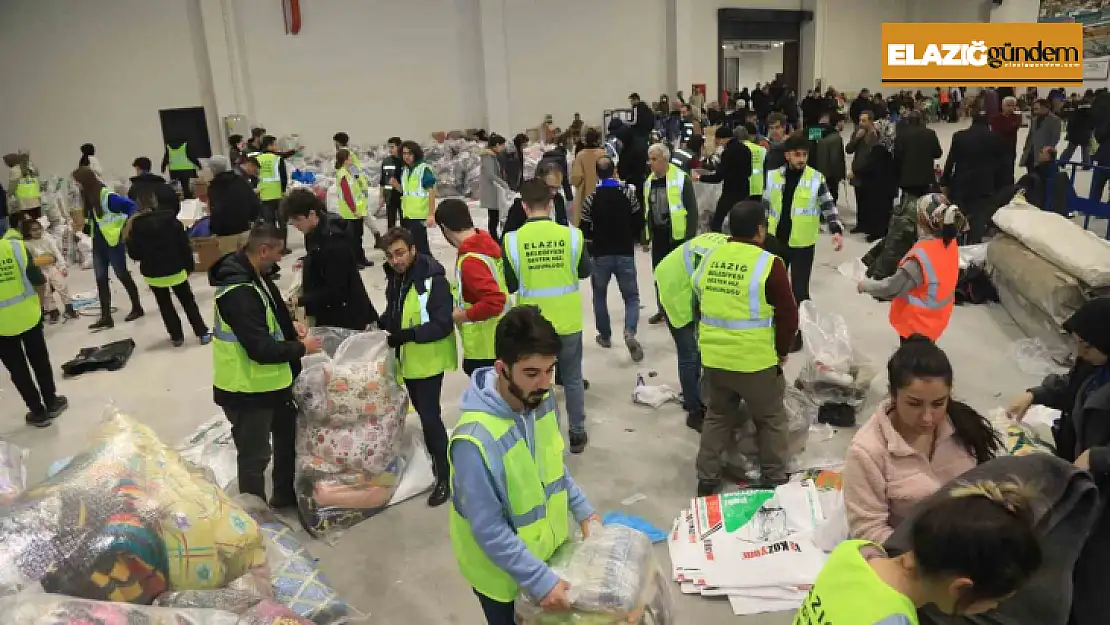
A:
(272, 182)
(544, 261)
(511, 501)
(481, 296)
(22, 343)
(758, 155)
(256, 354)
(418, 318)
(674, 282)
(670, 210)
(181, 164)
(417, 185)
(796, 197)
(733, 172)
(747, 321)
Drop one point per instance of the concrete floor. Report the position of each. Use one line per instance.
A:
(398, 566)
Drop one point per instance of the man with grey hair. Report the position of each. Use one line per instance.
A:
(1006, 125)
(670, 210)
(232, 205)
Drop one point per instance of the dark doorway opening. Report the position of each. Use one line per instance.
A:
(762, 25)
(187, 124)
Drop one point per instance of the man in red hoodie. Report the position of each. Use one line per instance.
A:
(481, 297)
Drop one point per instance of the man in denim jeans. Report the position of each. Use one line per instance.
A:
(612, 222)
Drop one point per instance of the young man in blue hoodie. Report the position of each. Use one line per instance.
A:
(511, 490)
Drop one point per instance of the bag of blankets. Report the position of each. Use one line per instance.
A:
(43, 609)
(613, 577)
(349, 434)
(124, 521)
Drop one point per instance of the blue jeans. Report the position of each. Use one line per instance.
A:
(624, 268)
(570, 374)
(105, 256)
(689, 365)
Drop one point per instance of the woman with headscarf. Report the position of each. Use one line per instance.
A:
(923, 289)
(106, 214)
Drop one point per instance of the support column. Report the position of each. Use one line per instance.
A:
(684, 29)
(1016, 11)
(226, 64)
(496, 65)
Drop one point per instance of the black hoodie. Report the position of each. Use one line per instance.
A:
(440, 306)
(333, 292)
(243, 310)
(146, 184)
(233, 204)
(159, 243)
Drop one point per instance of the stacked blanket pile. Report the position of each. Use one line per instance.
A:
(1045, 267)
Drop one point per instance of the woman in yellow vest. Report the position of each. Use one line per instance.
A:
(970, 549)
(418, 195)
(106, 213)
(352, 202)
(159, 243)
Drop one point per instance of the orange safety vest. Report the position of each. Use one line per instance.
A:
(927, 308)
(944, 96)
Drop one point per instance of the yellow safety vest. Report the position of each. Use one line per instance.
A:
(27, 189)
(179, 158)
(847, 590)
(269, 176)
(478, 336)
(676, 180)
(545, 256)
(167, 281)
(356, 163)
(532, 488)
(20, 308)
(674, 276)
(232, 368)
(110, 224)
(805, 211)
(13, 233)
(736, 331)
(414, 198)
(358, 211)
(759, 155)
(424, 360)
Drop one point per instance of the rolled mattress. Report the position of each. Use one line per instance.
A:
(1033, 321)
(1046, 286)
(1060, 241)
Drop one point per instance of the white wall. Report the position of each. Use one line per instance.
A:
(584, 57)
(93, 72)
(853, 41)
(756, 66)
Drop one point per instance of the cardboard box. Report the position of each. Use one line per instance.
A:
(206, 251)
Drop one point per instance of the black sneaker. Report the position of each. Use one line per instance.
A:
(440, 494)
(70, 312)
(657, 318)
(279, 502)
(604, 342)
(694, 419)
(177, 342)
(578, 441)
(585, 384)
(708, 487)
(38, 419)
(104, 323)
(134, 314)
(635, 350)
(57, 406)
(53, 316)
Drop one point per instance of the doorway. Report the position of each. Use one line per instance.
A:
(757, 31)
(748, 63)
(187, 124)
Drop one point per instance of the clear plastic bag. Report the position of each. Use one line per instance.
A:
(212, 447)
(801, 414)
(613, 577)
(47, 609)
(13, 471)
(833, 372)
(853, 269)
(1034, 358)
(350, 458)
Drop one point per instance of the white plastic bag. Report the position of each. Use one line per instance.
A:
(654, 396)
(833, 372)
(13, 471)
(419, 475)
(853, 269)
(1035, 359)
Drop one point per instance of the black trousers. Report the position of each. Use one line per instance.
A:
(799, 260)
(470, 365)
(30, 347)
(392, 208)
(170, 319)
(183, 176)
(419, 233)
(251, 429)
(424, 394)
(497, 612)
(494, 222)
(356, 228)
(724, 205)
(661, 245)
(271, 213)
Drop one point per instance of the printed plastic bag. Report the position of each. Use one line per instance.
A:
(13, 471)
(211, 446)
(613, 577)
(46, 609)
(1018, 439)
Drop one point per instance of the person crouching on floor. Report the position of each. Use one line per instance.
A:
(159, 243)
(49, 260)
(500, 543)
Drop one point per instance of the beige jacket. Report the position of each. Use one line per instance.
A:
(583, 177)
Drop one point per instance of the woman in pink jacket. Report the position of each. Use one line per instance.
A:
(916, 441)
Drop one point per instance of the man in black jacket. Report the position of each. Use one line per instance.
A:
(255, 339)
(916, 149)
(332, 292)
(551, 174)
(407, 270)
(1080, 128)
(859, 105)
(973, 173)
(232, 205)
(734, 172)
(152, 190)
(392, 166)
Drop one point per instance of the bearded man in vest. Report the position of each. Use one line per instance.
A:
(510, 506)
(481, 296)
(748, 320)
(670, 210)
(181, 164)
(674, 282)
(418, 318)
(272, 182)
(543, 262)
(256, 354)
(796, 197)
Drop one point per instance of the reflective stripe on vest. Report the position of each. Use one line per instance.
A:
(179, 158)
(357, 192)
(736, 332)
(676, 181)
(269, 176)
(932, 298)
(424, 360)
(27, 188)
(681, 158)
(414, 197)
(755, 298)
(673, 276)
(224, 333)
(547, 272)
(927, 308)
(555, 291)
(109, 224)
(20, 309)
(805, 215)
(759, 156)
(478, 336)
(232, 369)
